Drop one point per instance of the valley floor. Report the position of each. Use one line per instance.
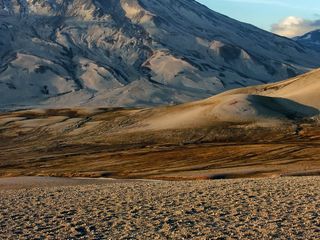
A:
(114, 143)
(51, 208)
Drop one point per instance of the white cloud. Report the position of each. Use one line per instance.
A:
(295, 26)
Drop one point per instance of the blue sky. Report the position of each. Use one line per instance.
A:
(265, 13)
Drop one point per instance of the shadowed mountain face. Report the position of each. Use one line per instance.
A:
(60, 53)
(310, 39)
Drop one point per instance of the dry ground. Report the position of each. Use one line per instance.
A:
(114, 143)
(281, 208)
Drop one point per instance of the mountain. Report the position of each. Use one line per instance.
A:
(59, 53)
(266, 130)
(274, 103)
(310, 39)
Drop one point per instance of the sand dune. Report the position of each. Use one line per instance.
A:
(303, 89)
(288, 100)
(250, 132)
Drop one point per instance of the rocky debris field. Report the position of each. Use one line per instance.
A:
(279, 208)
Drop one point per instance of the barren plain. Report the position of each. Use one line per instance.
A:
(113, 143)
(266, 135)
(281, 208)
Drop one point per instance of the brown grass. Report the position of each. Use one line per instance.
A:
(108, 143)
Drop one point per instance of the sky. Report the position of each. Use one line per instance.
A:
(284, 17)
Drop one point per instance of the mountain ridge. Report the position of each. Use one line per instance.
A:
(310, 39)
(133, 53)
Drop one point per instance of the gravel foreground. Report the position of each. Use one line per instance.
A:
(280, 208)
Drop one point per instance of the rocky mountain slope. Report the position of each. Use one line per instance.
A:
(58, 53)
(310, 39)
